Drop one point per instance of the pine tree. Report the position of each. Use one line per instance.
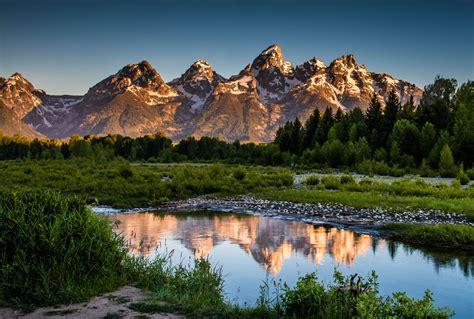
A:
(324, 126)
(408, 110)
(339, 115)
(373, 119)
(310, 129)
(296, 137)
(392, 109)
(463, 124)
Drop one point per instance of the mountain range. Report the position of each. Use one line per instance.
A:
(249, 106)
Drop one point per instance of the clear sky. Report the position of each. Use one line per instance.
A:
(65, 47)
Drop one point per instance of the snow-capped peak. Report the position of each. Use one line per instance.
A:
(348, 60)
(271, 58)
(198, 71)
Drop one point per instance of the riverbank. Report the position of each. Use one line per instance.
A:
(39, 269)
(421, 227)
(116, 304)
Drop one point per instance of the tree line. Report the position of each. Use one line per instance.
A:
(435, 136)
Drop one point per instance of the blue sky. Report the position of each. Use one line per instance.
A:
(65, 47)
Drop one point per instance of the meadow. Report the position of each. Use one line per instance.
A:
(119, 184)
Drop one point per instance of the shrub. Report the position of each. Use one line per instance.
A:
(347, 179)
(462, 178)
(446, 163)
(456, 183)
(126, 172)
(311, 299)
(470, 173)
(311, 180)
(331, 182)
(239, 173)
(54, 250)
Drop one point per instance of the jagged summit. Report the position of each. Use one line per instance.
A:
(198, 71)
(132, 77)
(271, 58)
(249, 106)
(141, 74)
(197, 84)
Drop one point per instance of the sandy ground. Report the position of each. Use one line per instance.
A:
(110, 305)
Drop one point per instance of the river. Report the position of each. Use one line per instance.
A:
(251, 249)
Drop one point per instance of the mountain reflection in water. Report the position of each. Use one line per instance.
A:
(268, 240)
(250, 248)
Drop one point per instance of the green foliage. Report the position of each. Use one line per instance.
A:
(126, 172)
(396, 135)
(447, 168)
(54, 250)
(470, 174)
(347, 179)
(239, 173)
(452, 236)
(402, 195)
(331, 182)
(120, 184)
(311, 299)
(311, 180)
(462, 177)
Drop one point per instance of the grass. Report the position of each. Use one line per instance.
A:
(54, 250)
(399, 196)
(197, 292)
(57, 251)
(122, 185)
(372, 200)
(448, 236)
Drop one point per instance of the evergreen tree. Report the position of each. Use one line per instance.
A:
(392, 109)
(437, 103)
(339, 115)
(464, 124)
(446, 162)
(408, 110)
(407, 136)
(310, 130)
(373, 119)
(296, 137)
(428, 139)
(325, 125)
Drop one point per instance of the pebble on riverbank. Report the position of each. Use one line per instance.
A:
(316, 213)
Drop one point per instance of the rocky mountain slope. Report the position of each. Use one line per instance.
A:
(248, 106)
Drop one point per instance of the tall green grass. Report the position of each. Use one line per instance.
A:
(54, 250)
(403, 195)
(119, 184)
(449, 236)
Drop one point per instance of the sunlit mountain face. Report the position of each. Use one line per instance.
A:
(269, 241)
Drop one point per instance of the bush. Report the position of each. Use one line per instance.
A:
(311, 299)
(347, 179)
(54, 250)
(239, 173)
(462, 178)
(446, 163)
(470, 173)
(331, 182)
(311, 180)
(126, 172)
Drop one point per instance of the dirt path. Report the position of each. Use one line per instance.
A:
(110, 305)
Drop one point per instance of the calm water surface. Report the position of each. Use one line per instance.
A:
(251, 249)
